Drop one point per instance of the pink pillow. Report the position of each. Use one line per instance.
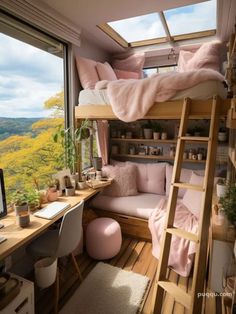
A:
(133, 63)
(124, 183)
(150, 177)
(120, 74)
(193, 199)
(207, 56)
(105, 72)
(87, 72)
(184, 177)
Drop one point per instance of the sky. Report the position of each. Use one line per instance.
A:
(188, 19)
(28, 77)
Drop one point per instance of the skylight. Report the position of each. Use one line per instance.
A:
(138, 28)
(192, 18)
(188, 22)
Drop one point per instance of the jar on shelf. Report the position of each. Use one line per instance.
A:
(128, 134)
(132, 150)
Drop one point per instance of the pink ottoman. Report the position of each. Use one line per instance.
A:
(103, 238)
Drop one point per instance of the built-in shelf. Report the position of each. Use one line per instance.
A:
(117, 139)
(156, 157)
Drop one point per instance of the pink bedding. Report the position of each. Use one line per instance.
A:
(182, 251)
(131, 99)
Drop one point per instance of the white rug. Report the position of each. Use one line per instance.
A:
(108, 290)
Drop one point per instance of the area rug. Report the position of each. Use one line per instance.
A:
(108, 290)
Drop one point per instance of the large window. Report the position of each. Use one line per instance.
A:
(31, 106)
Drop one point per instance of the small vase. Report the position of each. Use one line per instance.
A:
(147, 134)
(156, 135)
(221, 190)
(70, 191)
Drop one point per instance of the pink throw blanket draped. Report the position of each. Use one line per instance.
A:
(182, 251)
(131, 99)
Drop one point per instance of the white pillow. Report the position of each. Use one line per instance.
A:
(193, 199)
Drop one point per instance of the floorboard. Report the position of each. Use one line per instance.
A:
(134, 256)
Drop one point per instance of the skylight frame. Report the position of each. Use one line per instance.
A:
(106, 28)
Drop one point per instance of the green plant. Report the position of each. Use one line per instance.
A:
(157, 127)
(228, 203)
(70, 138)
(198, 129)
(19, 198)
(33, 197)
(30, 197)
(147, 125)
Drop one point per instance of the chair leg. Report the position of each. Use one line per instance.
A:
(56, 292)
(76, 266)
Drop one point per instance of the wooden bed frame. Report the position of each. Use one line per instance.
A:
(200, 109)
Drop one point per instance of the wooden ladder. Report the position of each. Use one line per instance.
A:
(191, 301)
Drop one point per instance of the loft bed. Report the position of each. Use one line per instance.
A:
(95, 104)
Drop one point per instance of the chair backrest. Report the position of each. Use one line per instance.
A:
(71, 230)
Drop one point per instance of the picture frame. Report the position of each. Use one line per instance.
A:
(3, 202)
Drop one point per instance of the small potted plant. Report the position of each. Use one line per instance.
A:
(52, 192)
(221, 187)
(147, 130)
(228, 203)
(198, 130)
(157, 129)
(20, 204)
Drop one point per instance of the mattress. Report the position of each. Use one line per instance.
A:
(201, 91)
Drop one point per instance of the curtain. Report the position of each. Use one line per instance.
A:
(102, 140)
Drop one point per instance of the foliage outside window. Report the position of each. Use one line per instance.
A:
(31, 109)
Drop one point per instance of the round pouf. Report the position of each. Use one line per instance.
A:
(103, 238)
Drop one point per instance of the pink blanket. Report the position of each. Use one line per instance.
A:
(182, 251)
(131, 99)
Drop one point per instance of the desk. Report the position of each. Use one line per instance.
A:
(17, 236)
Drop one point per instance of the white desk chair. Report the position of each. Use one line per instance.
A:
(61, 242)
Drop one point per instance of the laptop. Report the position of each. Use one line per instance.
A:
(52, 210)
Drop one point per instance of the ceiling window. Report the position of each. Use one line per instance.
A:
(192, 18)
(187, 22)
(139, 28)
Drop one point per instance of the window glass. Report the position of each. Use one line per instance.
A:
(192, 18)
(139, 28)
(31, 109)
(162, 69)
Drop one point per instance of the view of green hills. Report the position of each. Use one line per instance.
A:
(16, 126)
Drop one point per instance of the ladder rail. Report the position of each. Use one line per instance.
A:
(205, 214)
(158, 292)
(201, 238)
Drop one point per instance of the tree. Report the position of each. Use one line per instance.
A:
(56, 102)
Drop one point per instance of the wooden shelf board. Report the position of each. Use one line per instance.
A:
(117, 139)
(156, 157)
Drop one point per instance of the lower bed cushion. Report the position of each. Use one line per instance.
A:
(140, 206)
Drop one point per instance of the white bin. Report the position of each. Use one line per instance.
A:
(45, 271)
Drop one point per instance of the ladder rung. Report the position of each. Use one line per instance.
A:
(183, 234)
(189, 186)
(177, 293)
(195, 138)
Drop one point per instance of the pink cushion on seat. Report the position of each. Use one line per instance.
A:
(103, 238)
(150, 177)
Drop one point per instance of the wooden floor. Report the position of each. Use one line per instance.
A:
(134, 256)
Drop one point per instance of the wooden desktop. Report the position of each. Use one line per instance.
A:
(17, 236)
